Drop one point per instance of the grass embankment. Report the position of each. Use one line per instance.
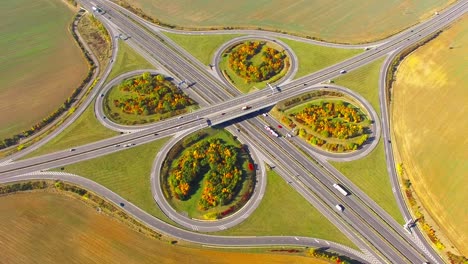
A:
(201, 47)
(32, 222)
(127, 60)
(283, 211)
(248, 84)
(312, 58)
(84, 130)
(221, 185)
(336, 21)
(364, 81)
(97, 39)
(370, 175)
(429, 119)
(41, 64)
(127, 173)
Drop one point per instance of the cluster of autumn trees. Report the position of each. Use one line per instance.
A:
(332, 119)
(337, 120)
(240, 61)
(321, 253)
(147, 95)
(214, 159)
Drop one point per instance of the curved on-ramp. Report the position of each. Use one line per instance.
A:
(172, 231)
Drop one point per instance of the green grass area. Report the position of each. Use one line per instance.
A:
(190, 206)
(332, 20)
(283, 211)
(312, 58)
(370, 175)
(84, 130)
(364, 81)
(201, 47)
(131, 181)
(40, 62)
(127, 60)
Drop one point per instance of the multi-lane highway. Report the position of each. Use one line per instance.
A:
(373, 231)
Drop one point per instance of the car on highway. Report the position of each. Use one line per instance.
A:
(223, 113)
(342, 71)
(246, 107)
(102, 95)
(280, 126)
(117, 145)
(72, 149)
(339, 207)
(122, 204)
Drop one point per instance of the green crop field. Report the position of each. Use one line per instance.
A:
(127, 60)
(312, 58)
(332, 20)
(43, 227)
(430, 126)
(40, 64)
(131, 181)
(84, 130)
(283, 211)
(201, 47)
(370, 175)
(364, 81)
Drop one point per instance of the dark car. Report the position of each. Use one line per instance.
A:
(122, 204)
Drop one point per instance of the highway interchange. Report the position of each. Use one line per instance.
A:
(381, 238)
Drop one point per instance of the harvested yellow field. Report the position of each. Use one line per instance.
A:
(430, 126)
(42, 227)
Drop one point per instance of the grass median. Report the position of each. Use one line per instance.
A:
(283, 211)
(126, 173)
(364, 81)
(312, 58)
(371, 176)
(201, 47)
(84, 130)
(127, 60)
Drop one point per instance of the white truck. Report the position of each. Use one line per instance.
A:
(341, 189)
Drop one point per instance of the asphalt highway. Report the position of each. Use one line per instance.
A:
(177, 233)
(389, 242)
